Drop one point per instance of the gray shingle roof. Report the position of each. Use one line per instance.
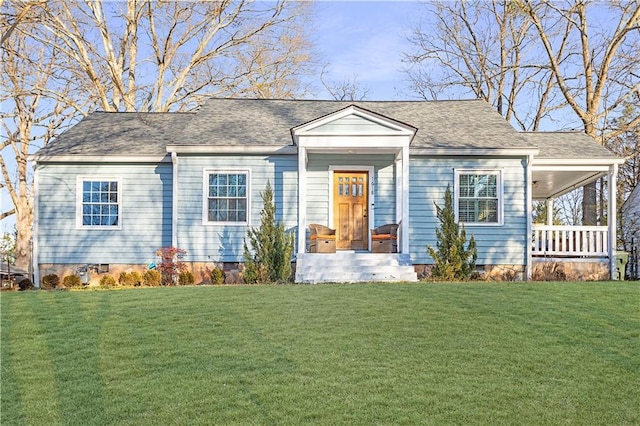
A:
(566, 145)
(228, 122)
(119, 133)
(443, 124)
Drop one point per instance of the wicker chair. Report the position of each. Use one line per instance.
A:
(384, 239)
(322, 240)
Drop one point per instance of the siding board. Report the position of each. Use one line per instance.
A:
(145, 215)
(429, 178)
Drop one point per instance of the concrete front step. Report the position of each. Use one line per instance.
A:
(354, 267)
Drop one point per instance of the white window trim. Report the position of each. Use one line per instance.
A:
(79, 191)
(500, 189)
(205, 197)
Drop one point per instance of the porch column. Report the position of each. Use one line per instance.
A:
(403, 214)
(611, 215)
(550, 211)
(302, 199)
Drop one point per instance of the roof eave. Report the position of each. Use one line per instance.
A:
(232, 149)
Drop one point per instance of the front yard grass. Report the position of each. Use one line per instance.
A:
(478, 353)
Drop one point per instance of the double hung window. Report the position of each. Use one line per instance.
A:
(478, 197)
(99, 202)
(226, 197)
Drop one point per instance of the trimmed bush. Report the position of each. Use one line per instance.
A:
(50, 281)
(25, 284)
(186, 278)
(130, 278)
(107, 281)
(217, 276)
(152, 278)
(71, 281)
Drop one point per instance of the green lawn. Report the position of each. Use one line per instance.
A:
(478, 353)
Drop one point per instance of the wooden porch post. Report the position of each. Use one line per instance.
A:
(611, 216)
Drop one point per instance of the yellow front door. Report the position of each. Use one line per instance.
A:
(350, 217)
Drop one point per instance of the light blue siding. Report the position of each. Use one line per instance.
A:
(145, 215)
(352, 124)
(429, 177)
(224, 242)
(318, 185)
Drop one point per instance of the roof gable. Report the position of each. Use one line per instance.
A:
(354, 121)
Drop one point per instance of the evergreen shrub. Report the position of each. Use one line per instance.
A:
(452, 260)
(267, 254)
(107, 281)
(50, 281)
(71, 281)
(217, 276)
(25, 284)
(152, 278)
(186, 278)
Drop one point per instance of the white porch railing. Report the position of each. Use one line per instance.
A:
(575, 241)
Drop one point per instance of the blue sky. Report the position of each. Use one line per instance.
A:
(366, 39)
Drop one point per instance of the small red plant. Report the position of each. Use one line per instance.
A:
(170, 264)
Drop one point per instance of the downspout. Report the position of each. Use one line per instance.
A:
(174, 200)
(529, 214)
(34, 233)
(613, 182)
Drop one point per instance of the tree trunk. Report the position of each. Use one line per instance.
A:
(589, 216)
(24, 218)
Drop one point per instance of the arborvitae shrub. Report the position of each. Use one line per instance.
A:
(152, 278)
(50, 281)
(107, 281)
(25, 284)
(71, 281)
(186, 278)
(452, 260)
(267, 256)
(217, 276)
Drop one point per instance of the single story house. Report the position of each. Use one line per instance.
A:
(117, 186)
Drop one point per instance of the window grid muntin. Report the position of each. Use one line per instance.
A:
(99, 205)
(227, 198)
(478, 197)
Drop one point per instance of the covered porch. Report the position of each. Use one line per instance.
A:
(560, 169)
(352, 177)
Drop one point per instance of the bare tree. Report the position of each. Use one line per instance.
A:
(169, 56)
(346, 90)
(529, 59)
(486, 49)
(598, 72)
(65, 59)
(36, 109)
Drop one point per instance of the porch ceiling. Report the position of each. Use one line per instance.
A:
(554, 183)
